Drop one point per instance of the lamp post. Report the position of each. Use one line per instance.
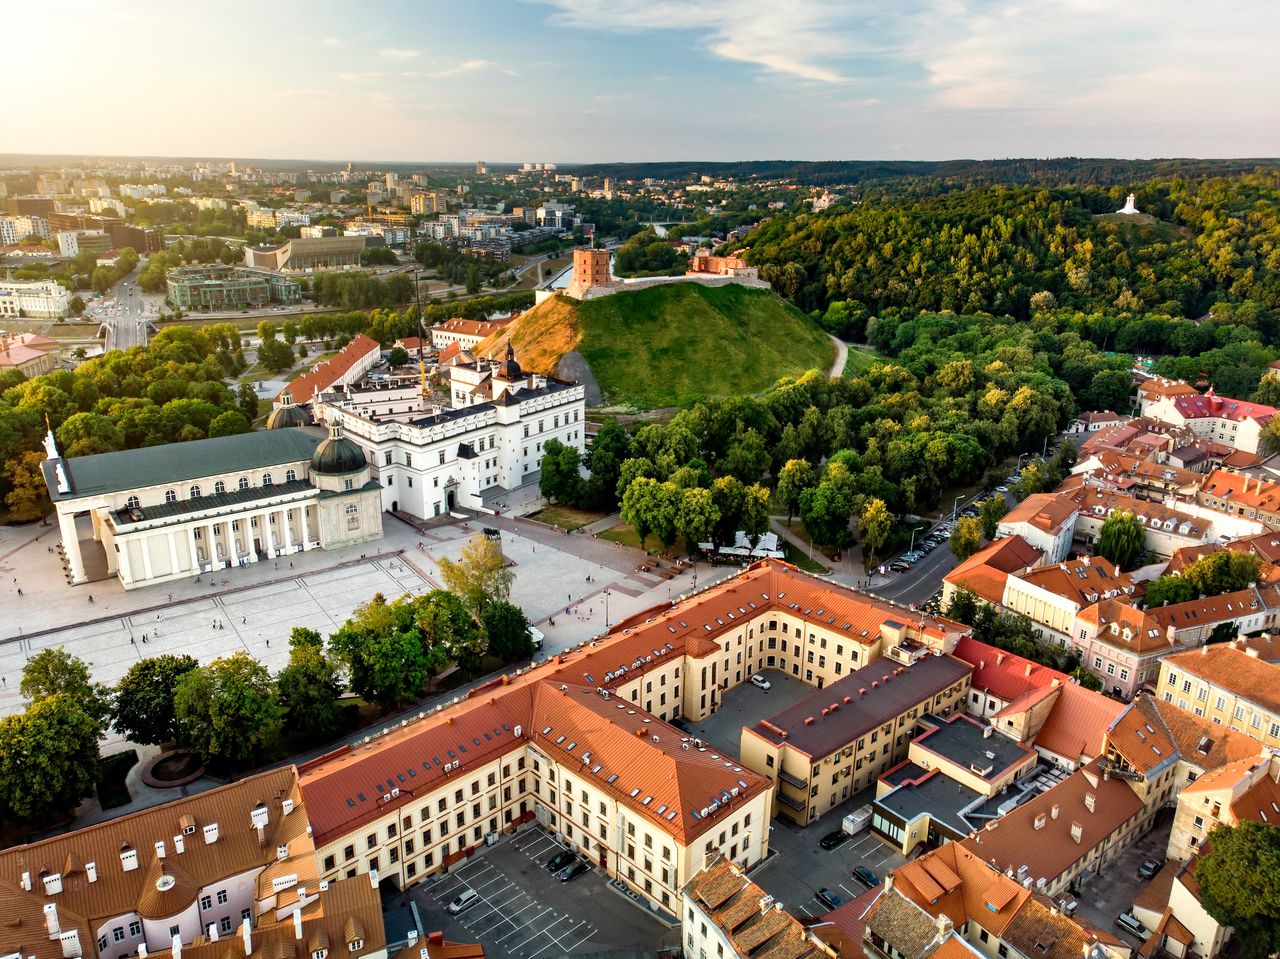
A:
(606, 610)
(955, 507)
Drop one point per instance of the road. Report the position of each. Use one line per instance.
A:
(921, 581)
(124, 316)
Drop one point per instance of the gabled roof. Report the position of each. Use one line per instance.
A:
(1014, 842)
(954, 880)
(1194, 406)
(1045, 511)
(1235, 670)
(324, 374)
(746, 916)
(1077, 725)
(1004, 675)
(985, 572)
(1150, 731)
(1082, 581)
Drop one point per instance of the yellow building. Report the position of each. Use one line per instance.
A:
(1230, 685)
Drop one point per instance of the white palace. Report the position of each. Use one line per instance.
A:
(161, 513)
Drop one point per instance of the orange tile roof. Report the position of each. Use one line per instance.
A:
(1045, 511)
(1260, 803)
(744, 914)
(1241, 490)
(1151, 730)
(465, 327)
(1013, 842)
(1194, 406)
(1082, 581)
(324, 374)
(483, 725)
(1077, 725)
(985, 572)
(1155, 894)
(1005, 675)
(1235, 670)
(1159, 386)
(1102, 503)
(954, 880)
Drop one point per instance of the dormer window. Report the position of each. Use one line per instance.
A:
(267, 479)
(355, 945)
(170, 496)
(320, 954)
(219, 488)
(132, 503)
(290, 476)
(244, 483)
(195, 492)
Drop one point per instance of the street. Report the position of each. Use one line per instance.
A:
(125, 317)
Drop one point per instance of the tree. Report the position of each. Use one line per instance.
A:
(275, 355)
(1239, 879)
(793, 479)
(825, 510)
(963, 607)
(990, 513)
(76, 305)
(1121, 539)
(876, 523)
(144, 699)
(696, 515)
(398, 356)
(446, 624)
(48, 758)
(747, 458)
(966, 538)
(228, 711)
(229, 424)
(507, 629)
(755, 513)
(472, 279)
(480, 574)
(560, 476)
(309, 687)
(638, 504)
(28, 496)
(247, 400)
(53, 671)
(609, 450)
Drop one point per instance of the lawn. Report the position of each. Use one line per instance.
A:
(566, 517)
(673, 345)
(625, 534)
(861, 359)
(800, 558)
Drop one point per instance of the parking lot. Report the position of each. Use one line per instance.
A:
(523, 912)
(745, 705)
(1105, 896)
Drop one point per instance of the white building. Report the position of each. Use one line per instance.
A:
(161, 513)
(429, 461)
(43, 299)
(15, 229)
(1237, 423)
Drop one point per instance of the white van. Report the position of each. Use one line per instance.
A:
(464, 901)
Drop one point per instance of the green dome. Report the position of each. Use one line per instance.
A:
(283, 417)
(337, 454)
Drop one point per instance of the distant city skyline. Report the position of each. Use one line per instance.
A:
(633, 80)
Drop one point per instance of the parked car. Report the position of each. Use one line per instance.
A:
(561, 859)
(572, 871)
(1149, 868)
(1129, 923)
(760, 682)
(866, 876)
(833, 839)
(1002, 489)
(463, 901)
(830, 899)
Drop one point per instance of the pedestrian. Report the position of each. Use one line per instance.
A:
(244, 619)
(91, 597)
(268, 642)
(171, 597)
(19, 590)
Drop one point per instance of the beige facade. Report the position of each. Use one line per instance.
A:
(1233, 688)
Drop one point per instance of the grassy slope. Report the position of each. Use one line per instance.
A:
(671, 345)
(541, 335)
(861, 359)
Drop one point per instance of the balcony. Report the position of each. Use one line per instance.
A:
(796, 804)
(791, 780)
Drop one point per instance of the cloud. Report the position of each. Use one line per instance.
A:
(398, 55)
(470, 66)
(331, 42)
(361, 77)
(805, 39)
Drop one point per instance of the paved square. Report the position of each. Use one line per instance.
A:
(525, 913)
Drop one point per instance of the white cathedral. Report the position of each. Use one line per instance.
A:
(161, 513)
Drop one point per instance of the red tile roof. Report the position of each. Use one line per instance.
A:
(1150, 731)
(1077, 725)
(1194, 406)
(1004, 675)
(325, 373)
(1046, 511)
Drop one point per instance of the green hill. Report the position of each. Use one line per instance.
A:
(671, 345)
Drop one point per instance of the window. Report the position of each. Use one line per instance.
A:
(329, 863)
(194, 492)
(135, 928)
(267, 479)
(222, 897)
(206, 902)
(117, 934)
(173, 931)
(224, 924)
(170, 496)
(348, 484)
(290, 476)
(132, 503)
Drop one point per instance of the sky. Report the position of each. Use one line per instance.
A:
(632, 80)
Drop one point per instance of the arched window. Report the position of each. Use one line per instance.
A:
(244, 482)
(219, 488)
(266, 479)
(290, 476)
(170, 496)
(195, 492)
(132, 503)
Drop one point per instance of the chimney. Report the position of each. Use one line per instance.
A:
(1053, 811)
(297, 923)
(1077, 833)
(160, 849)
(373, 879)
(246, 934)
(1251, 651)
(943, 922)
(436, 938)
(142, 950)
(888, 881)
(91, 870)
(179, 845)
(51, 918)
(287, 806)
(176, 948)
(213, 932)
